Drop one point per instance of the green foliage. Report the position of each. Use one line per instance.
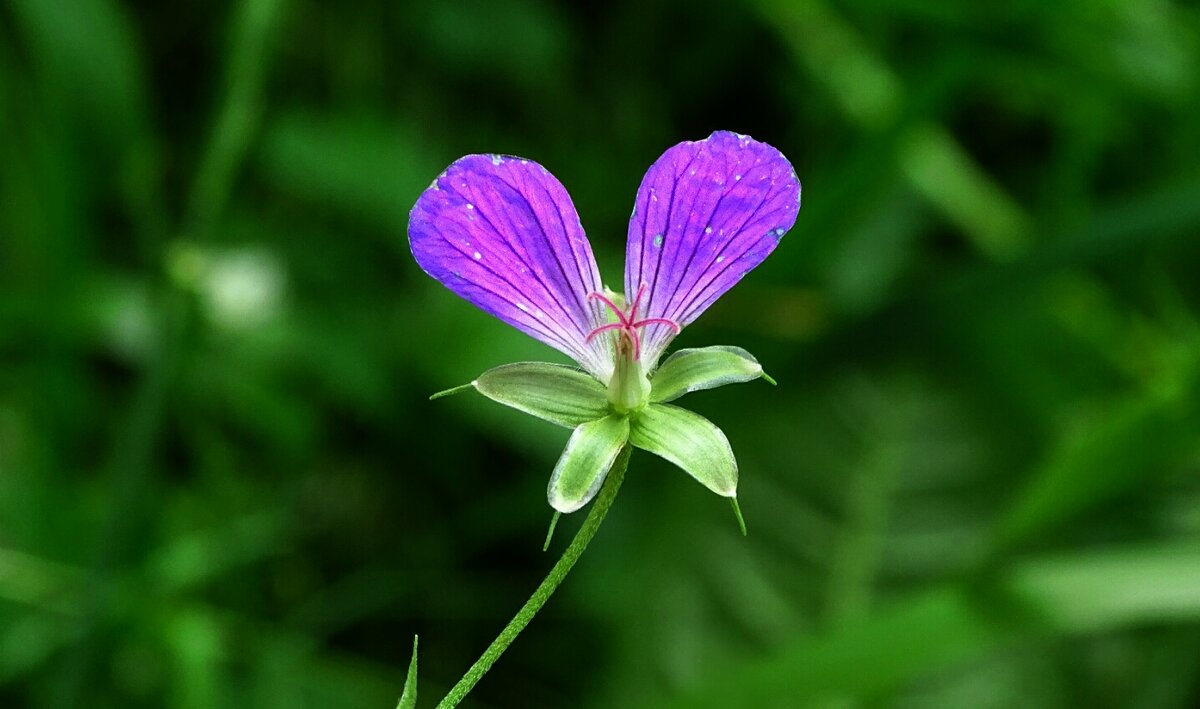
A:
(222, 482)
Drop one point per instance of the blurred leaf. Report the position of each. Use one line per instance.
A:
(192, 559)
(940, 629)
(942, 171)
(359, 164)
(1124, 449)
(90, 52)
(1097, 591)
(235, 124)
(936, 630)
(520, 40)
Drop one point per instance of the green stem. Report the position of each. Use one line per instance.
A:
(559, 572)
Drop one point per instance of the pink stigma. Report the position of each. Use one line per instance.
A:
(627, 322)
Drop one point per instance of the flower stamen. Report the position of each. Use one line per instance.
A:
(626, 322)
(659, 321)
(611, 306)
(603, 328)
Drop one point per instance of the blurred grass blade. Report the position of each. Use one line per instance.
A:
(931, 631)
(1114, 588)
(943, 628)
(408, 698)
(240, 110)
(91, 54)
(1117, 453)
(353, 163)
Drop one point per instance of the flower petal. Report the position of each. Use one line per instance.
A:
(707, 213)
(586, 461)
(502, 233)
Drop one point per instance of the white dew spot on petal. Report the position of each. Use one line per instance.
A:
(496, 159)
(720, 258)
(779, 232)
(693, 172)
(477, 255)
(522, 307)
(658, 239)
(736, 178)
(470, 206)
(707, 230)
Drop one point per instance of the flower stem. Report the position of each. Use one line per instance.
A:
(557, 573)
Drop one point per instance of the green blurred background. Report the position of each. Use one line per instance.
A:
(222, 484)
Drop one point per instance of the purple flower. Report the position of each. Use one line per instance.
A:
(502, 233)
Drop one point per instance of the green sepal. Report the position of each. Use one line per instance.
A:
(408, 698)
(690, 441)
(554, 392)
(703, 368)
(586, 460)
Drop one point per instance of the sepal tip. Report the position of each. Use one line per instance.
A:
(737, 512)
(452, 390)
(550, 532)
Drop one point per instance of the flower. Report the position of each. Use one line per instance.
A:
(501, 232)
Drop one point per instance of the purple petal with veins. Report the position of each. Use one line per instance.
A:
(707, 213)
(502, 233)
